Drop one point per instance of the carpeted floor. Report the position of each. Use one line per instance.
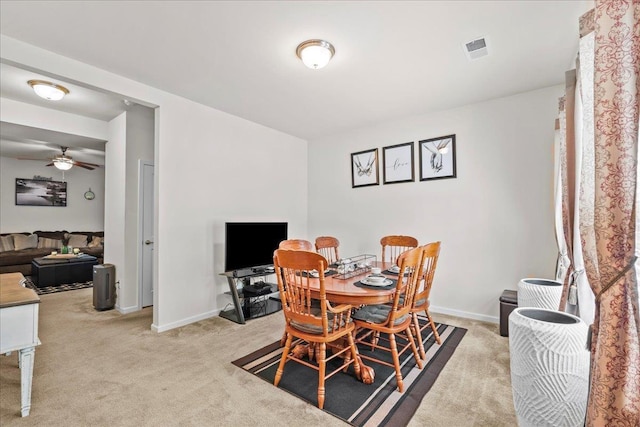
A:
(103, 368)
(372, 405)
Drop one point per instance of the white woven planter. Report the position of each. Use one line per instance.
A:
(541, 293)
(549, 367)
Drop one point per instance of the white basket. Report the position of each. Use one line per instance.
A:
(541, 293)
(549, 367)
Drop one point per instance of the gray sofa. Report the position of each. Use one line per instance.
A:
(17, 250)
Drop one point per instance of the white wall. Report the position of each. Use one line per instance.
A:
(131, 138)
(79, 214)
(495, 220)
(210, 167)
(114, 231)
(46, 118)
(140, 142)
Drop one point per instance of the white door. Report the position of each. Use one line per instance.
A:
(146, 215)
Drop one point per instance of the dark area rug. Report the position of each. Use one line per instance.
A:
(378, 404)
(58, 288)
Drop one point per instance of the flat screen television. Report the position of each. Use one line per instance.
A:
(251, 244)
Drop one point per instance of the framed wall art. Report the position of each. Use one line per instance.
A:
(398, 163)
(364, 168)
(438, 158)
(35, 192)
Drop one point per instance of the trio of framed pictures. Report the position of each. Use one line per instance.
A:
(437, 160)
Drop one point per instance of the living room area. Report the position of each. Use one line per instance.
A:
(46, 208)
(42, 229)
(36, 135)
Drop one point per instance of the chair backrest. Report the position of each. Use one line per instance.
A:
(411, 262)
(327, 246)
(296, 245)
(292, 272)
(393, 246)
(430, 261)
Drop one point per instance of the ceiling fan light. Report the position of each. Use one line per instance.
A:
(315, 54)
(48, 90)
(63, 163)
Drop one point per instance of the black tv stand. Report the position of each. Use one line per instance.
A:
(245, 272)
(260, 299)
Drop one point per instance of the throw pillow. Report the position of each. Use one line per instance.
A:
(20, 241)
(77, 240)
(96, 241)
(6, 243)
(44, 242)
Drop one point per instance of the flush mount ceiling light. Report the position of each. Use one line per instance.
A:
(315, 53)
(48, 90)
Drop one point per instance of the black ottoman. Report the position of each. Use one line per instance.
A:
(53, 272)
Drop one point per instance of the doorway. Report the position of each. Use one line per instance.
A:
(146, 240)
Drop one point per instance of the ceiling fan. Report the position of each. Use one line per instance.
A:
(65, 162)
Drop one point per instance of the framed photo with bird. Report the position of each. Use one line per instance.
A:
(438, 158)
(364, 168)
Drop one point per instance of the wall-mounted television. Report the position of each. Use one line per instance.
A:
(251, 244)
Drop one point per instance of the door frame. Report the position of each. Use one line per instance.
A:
(141, 165)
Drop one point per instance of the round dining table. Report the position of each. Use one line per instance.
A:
(344, 291)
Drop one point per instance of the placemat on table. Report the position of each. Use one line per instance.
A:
(394, 273)
(364, 285)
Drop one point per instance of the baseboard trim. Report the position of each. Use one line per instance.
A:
(127, 310)
(183, 322)
(434, 309)
(465, 314)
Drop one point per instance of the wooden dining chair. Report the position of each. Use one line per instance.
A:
(388, 326)
(393, 246)
(316, 326)
(421, 300)
(296, 245)
(327, 246)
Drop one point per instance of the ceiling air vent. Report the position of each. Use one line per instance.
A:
(477, 48)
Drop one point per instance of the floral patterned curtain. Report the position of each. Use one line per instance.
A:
(597, 236)
(609, 242)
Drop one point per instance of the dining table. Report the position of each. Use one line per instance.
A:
(340, 290)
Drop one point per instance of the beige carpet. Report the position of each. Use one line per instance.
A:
(106, 369)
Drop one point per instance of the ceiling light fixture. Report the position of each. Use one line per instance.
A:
(48, 90)
(315, 53)
(64, 163)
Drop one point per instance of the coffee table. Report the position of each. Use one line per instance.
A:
(60, 271)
